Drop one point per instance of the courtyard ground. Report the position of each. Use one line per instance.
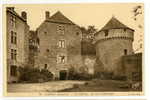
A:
(51, 86)
(72, 86)
(103, 86)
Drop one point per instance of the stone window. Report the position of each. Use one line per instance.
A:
(106, 32)
(13, 37)
(13, 21)
(13, 54)
(45, 67)
(61, 59)
(61, 44)
(125, 51)
(61, 29)
(13, 70)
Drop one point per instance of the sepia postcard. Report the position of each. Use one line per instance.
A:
(74, 49)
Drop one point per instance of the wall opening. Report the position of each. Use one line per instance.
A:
(45, 33)
(45, 67)
(125, 51)
(13, 70)
(61, 59)
(106, 32)
(63, 75)
(61, 43)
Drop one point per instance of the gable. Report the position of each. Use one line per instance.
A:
(58, 17)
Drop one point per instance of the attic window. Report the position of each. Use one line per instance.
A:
(106, 32)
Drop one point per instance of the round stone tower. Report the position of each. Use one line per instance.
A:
(112, 42)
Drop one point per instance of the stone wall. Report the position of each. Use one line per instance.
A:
(132, 65)
(88, 53)
(89, 63)
(49, 37)
(21, 28)
(114, 33)
(110, 49)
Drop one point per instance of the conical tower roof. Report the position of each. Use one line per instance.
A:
(114, 23)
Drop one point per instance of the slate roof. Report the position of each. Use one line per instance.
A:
(58, 17)
(114, 23)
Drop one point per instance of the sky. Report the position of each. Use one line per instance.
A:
(86, 14)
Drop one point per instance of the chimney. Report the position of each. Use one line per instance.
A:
(47, 15)
(24, 15)
(10, 8)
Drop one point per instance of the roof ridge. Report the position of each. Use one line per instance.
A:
(58, 17)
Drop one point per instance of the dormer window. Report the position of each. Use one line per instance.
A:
(106, 32)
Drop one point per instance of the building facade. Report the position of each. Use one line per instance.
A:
(112, 42)
(132, 65)
(17, 42)
(59, 45)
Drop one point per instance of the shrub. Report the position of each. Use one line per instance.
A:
(34, 75)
